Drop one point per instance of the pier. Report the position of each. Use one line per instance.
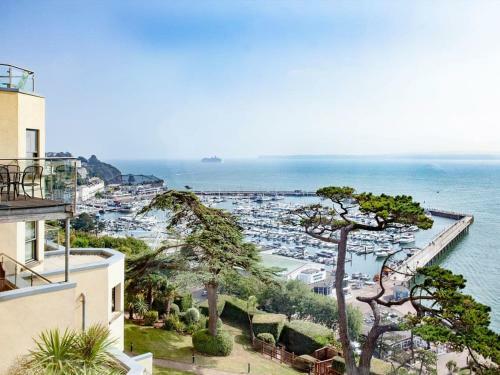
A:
(250, 193)
(438, 247)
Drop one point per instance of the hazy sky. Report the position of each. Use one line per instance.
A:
(245, 78)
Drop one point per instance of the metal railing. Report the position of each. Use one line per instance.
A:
(53, 178)
(17, 275)
(15, 77)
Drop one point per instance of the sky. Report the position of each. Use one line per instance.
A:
(237, 79)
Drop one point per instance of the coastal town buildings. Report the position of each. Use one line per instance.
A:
(44, 289)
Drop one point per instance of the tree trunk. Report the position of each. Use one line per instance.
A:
(212, 308)
(350, 362)
(149, 297)
(168, 305)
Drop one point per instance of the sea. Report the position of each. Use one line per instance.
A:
(467, 186)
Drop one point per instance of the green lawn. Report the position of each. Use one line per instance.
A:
(166, 371)
(170, 345)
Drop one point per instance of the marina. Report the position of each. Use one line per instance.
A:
(263, 215)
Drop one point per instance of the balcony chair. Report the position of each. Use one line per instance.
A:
(4, 181)
(12, 178)
(32, 177)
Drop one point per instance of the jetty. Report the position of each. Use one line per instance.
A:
(250, 193)
(437, 248)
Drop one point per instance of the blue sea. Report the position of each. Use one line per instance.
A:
(469, 186)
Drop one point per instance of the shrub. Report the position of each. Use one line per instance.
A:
(219, 323)
(220, 345)
(184, 302)
(192, 315)
(150, 317)
(303, 337)
(268, 323)
(267, 337)
(173, 323)
(175, 309)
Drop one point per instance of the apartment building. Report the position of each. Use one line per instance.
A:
(42, 288)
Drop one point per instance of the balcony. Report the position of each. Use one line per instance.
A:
(37, 189)
(14, 275)
(16, 79)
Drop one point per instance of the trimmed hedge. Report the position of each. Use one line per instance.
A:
(268, 323)
(304, 363)
(302, 337)
(220, 345)
(267, 338)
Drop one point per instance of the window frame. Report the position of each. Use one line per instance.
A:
(36, 152)
(32, 241)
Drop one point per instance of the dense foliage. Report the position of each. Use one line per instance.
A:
(296, 300)
(87, 223)
(454, 317)
(218, 345)
(128, 245)
(212, 243)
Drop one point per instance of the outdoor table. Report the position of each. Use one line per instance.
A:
(15, 181)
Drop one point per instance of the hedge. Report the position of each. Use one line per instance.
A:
(267, 338)
(268, 323)
(235, 311)
(301, 337)
(220, 345)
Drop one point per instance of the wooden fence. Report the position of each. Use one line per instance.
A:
(274, 352)
(324, 356)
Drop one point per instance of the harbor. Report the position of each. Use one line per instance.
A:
(262, 214)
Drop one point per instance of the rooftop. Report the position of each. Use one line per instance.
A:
(15, 78)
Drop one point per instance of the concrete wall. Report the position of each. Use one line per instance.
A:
(24, 317)
(96, 285)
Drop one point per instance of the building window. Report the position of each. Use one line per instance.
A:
(32, 143)
(30, 240)
(115, 298)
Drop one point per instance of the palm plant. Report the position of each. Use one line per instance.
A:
(92, 347)
(167, 292)
(140, 306)
(72, 353)
(54, 354)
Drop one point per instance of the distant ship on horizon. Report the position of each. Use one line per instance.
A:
(213, 159)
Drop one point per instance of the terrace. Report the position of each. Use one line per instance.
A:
(37, 189)
(16, 79)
